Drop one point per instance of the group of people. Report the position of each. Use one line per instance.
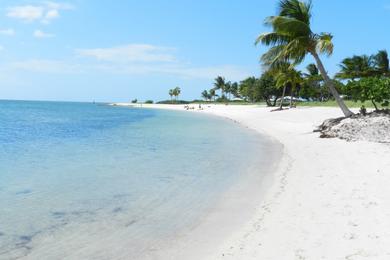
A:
(187, 107)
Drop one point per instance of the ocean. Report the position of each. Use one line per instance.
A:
(92, 181)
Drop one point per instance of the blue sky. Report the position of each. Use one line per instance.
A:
(83, 50)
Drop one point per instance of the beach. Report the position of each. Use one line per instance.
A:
(328, 199)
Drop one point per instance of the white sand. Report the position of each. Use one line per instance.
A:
(330, 199)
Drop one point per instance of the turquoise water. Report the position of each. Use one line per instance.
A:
(90, 181)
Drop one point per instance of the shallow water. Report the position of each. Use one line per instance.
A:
(89, 181)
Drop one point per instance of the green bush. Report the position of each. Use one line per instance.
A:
(149, 102)
(374, 89)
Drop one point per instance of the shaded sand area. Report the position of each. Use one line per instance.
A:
(329, 199)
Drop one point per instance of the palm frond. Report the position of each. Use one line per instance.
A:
(325, 44)
(296, 9)
(287, 25)
(272, 38)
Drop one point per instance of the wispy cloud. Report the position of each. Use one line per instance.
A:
(41, 34)
(44, 12)
(148, 59)
(44, 66)
(8, 32)
(132, 59)
(130, 53)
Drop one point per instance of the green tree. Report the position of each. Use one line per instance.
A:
(374, 89)
(234, 90)
(381, 61)
(292, 39)
(171, 93)
(220, 84)
(247, 89)
(176, 92)
(268, 89)
(312, 85)
(356, 67)
(206, 95)
(228, 90)
(212, 94)
(288, 77)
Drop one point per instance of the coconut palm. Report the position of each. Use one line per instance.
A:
(381, 60)
(228, 89)
(212, 94)
(220, 84)
(288, 77)
(171, 93)
(205, 95)
(292, 39)
(356, 67)
(313, 79)
(176, 92)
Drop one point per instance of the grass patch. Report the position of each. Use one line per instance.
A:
(332, 103)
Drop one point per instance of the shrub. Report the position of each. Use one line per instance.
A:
(149, 102)
(374, 89)
(134, 101)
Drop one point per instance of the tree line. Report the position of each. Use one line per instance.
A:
(361, 78)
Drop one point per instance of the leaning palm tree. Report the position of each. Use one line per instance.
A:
(292, 39)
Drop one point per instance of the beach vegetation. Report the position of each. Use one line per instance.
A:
(174, 93)
(373, 89)
(292, 39)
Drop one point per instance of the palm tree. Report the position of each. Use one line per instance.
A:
(381, 60)
(171, 93)
(313, 79)
(212, 94)
(228, 89)
(287, 76)
(292, 39)
(234, 90)
(356, 67)
(176, 92)
(220, 84)
(205, 95)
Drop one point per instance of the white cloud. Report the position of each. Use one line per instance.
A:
(130, 53)
(27, 13)
(41, 34)
(133, 59)
(8, 32)
(51, 14)
(44, 12)
(44, 66)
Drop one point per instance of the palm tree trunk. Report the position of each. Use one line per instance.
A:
(331, 86)
(282, 100)
(292, 96)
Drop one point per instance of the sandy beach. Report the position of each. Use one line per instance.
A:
(329, 199)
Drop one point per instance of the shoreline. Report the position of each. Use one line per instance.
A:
(230, 209)
(329, 198)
